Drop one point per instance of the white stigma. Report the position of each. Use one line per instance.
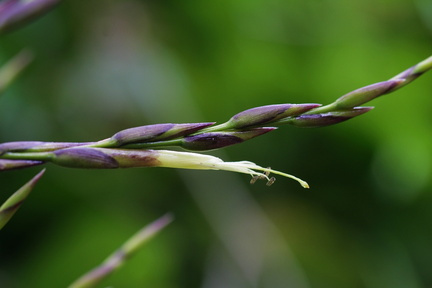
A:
(188, 160)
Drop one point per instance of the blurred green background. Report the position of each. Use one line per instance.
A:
(103, 66)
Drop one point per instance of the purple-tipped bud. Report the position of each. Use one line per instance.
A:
(103, 158)
(157, 132)
(83, 158)
(215, 140)
(366, 94)
(129, 158)
(16, 164)
(326, 119)
(14, 13)
(265, 114)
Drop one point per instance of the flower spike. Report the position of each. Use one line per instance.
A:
(136, 147)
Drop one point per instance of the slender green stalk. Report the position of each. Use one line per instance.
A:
(117, 259)
(413, 72)
(8, 209)
(365, 94)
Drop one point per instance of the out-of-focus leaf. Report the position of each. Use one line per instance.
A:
(10, 70)
(116, 259)
(8, 209)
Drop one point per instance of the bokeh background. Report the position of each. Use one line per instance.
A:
(103, 66)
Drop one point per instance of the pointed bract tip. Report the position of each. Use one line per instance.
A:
(38, 176)
(216, 140)
(267, 114)
(13, 203)
(156, 132)
(329, 118)
(367, 93)
(6, 164)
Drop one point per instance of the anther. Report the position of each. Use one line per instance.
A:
(254, 179)
(271, 181)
